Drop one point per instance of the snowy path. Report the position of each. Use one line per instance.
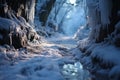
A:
(62, 41)
(50, 60)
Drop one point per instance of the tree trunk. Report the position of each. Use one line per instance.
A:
(19, 7)
(13, 17)
(44, 13)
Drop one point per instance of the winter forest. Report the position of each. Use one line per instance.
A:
(59, 39)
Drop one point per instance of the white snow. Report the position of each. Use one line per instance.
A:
(46, 61)
(74, 72)
(82, 33)
(102, 60)
(108, 54)
(8, 25)
(72, 1)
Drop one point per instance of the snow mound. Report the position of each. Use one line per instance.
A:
(108, 54)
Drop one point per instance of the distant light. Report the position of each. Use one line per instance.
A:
(72, 1)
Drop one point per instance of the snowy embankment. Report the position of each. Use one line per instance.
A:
(46, 61)
(102, 60)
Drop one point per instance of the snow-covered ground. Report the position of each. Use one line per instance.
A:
(61, 40)
(102, 60)
(53, 59)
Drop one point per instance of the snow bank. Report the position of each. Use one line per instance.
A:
(8, 25)
(24, 64)
(41, 62)
(102, 61)
(108, 54)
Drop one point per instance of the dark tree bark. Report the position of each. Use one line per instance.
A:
(44, 13)
(20, 7)
(115, 17)
(13, 17)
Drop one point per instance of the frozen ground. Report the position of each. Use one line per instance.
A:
(50, 60)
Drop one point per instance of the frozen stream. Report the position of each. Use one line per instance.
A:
(75, 72)
(70, 71)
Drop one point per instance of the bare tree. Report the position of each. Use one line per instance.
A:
(45, 11)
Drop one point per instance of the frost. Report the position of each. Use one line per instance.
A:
(106, 54)
(74, 72)
(46, 61)
(7, 25)
(82, 33)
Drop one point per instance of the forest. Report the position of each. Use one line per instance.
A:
(59, 40)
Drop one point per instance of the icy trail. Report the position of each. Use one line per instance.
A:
(50, 60)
